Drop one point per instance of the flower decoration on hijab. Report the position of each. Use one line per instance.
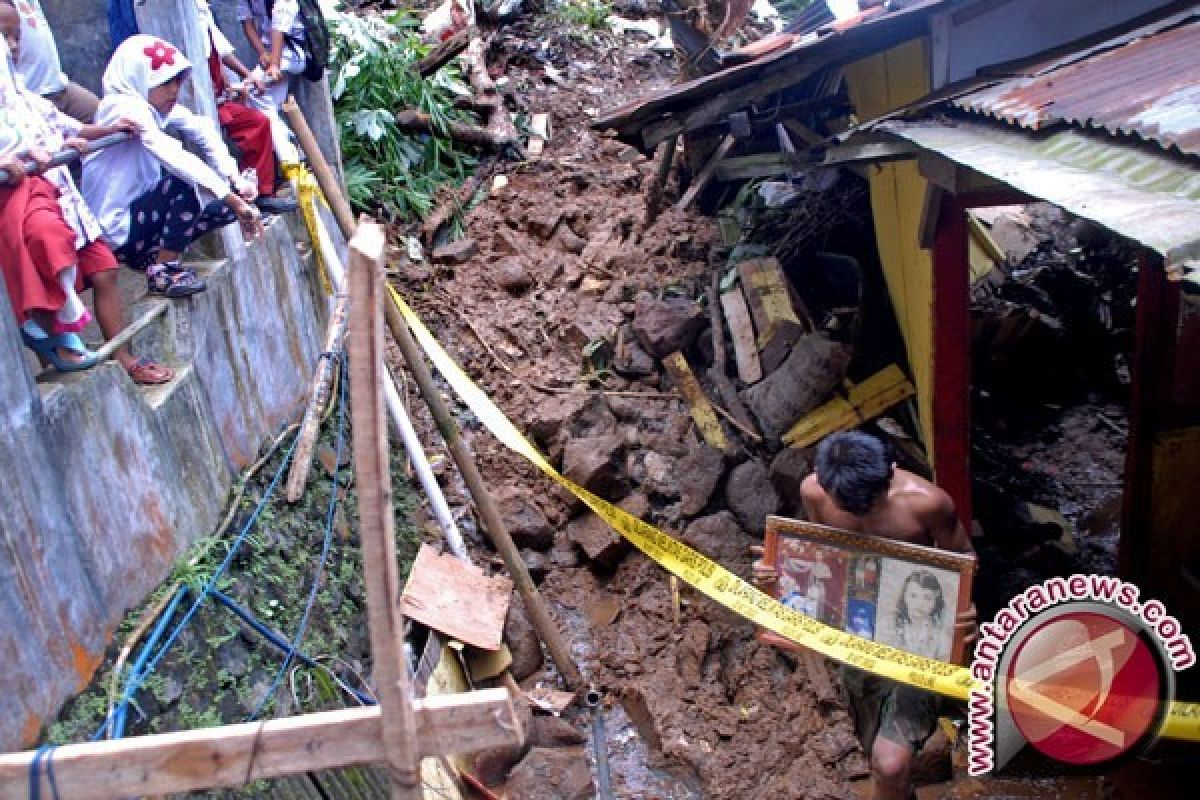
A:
(160, 53)
(141, 63)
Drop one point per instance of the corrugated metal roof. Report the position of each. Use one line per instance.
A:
(1147, 196)
(1145, 83)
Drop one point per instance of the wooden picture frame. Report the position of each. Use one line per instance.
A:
(866, 584)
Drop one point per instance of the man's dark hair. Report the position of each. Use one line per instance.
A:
(854, 469)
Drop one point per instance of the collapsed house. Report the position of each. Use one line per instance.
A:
(943, 106)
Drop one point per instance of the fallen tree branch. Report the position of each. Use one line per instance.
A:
(456, 202)
(441, 55)
(486, 92)
(420, 122)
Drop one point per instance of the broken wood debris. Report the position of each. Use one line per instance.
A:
(699, 406)
(706, 172)
(539, 134)
(741, 330)
(768, 295)
(456, 598)
(863, 402)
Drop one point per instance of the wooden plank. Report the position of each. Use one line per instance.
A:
(373, 481)
(318, 398)
(760, 165)
(456, 598)
(706, 172)
(863, 402)
(745, 351)
(234, 755)
(698, 403)
(770, 303)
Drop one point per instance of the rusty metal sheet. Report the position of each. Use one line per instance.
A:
(1149, 197)
(1145, 83)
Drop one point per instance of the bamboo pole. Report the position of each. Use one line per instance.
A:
(376, 525)
(320, 167)
(658, 184)
(706, 172)
(317, 398)
(535, 607)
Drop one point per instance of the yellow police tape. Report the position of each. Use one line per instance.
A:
(718, 583)
(307, 194)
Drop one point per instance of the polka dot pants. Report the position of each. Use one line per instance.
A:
(169, 217)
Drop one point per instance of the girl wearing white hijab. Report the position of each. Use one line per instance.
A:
(50, 248)
(146, 191)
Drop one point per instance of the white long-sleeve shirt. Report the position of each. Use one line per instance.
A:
(37, 62)
(116, 176)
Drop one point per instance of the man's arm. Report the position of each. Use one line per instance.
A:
(251, 31)
(946, 529)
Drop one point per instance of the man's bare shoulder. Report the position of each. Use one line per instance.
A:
(923, 498)
(811, 488)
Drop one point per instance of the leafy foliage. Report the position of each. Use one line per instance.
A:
(590, 14)
(373, 75)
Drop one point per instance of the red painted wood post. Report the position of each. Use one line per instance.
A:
(952, 357)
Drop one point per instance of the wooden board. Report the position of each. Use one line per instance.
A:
(745, 351)
(698, 403)
(863, 402)
(457, 599)
(770, 303)
(234, 755)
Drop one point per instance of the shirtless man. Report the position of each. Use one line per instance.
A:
(857, 488)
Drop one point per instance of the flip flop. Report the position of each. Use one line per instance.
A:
(47, 347)
(145, 372)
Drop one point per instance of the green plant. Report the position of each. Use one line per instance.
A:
(374, 74)
(589, 14)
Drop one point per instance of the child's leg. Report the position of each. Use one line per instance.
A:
(250, 129)
(269, 103)
(160, 219)
(50, 242)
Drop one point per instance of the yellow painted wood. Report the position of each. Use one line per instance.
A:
(863, 402)
(877, 85)
(698, 403)
(1174, 507)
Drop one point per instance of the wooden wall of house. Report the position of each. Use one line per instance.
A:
(877, 85)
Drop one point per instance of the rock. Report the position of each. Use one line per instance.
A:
(637, 504)
(719, 537)
(832, 744)
(569, 241)
(788, 470)
(560, 773)
(598, 541)
(751, 497)
(631, 360)
(505, 243)
(511, 275)
(596, 463)
(664, 326)
(698, 474)
(537, 563)
(492, 766)
(526, 523)
(660, 475)
(542, 221)
(570, 415)
(456, 252)
(522, 641)
(554, 732)
(814, 368)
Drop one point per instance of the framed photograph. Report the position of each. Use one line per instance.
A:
(889, 591)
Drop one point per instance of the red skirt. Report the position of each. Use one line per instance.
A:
(36, 244)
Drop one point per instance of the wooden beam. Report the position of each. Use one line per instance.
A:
(931, 206)
(770, 301)
(701, 408)
(863, 402)
(234, 755)
(760, 165)
(869, 151)
(373, 480)
(741, 330)
(706, 172)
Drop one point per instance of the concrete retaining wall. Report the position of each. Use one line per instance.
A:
(108, 483)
